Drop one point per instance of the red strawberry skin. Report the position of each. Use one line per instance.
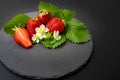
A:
(44, 16)
(22, 37)
(32, 24)
(55, 24)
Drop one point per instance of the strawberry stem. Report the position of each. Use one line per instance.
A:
(35, 18)
(64, 22)
(18, 25)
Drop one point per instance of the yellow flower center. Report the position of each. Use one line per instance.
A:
(56, 36)
(36, 36)
(42, 31)
(48, 35)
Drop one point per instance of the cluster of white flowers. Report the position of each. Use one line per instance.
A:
(43, 32)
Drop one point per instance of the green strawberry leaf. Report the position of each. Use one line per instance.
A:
(67, 15)
(77, 32)
(52, 43)
(15, 21)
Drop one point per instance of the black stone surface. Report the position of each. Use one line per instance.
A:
(39, 62)
(102, 19)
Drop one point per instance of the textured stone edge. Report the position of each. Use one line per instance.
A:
(56, 77)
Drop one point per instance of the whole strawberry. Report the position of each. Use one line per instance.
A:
(22, 37)
(44, 16)
(55, 24)
(32, 24)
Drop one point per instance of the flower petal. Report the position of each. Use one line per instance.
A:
(37, 41)
(37, 30)
(46, 29)
(42, 26)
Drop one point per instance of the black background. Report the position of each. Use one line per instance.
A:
(102, 20)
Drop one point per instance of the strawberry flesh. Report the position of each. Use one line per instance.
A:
(22, 37)
(55, 24)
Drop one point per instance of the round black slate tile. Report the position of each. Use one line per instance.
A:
(39, 62)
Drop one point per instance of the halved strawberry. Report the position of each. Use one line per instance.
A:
(44, 16)
(55, 24)
(32, 24)
(22, 37)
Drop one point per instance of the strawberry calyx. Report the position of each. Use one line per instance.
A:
(43, 12)
(16, 27)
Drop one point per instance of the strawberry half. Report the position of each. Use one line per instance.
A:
(22, 37)
(32, 24)
(44, 16)
(55, 24)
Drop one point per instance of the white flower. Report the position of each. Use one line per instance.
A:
(36, 38)
(56, 35)
(42, 30)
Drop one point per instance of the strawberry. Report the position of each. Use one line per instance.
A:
(44, 16)
(22, 37)
(32, 24)
(55, 24)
